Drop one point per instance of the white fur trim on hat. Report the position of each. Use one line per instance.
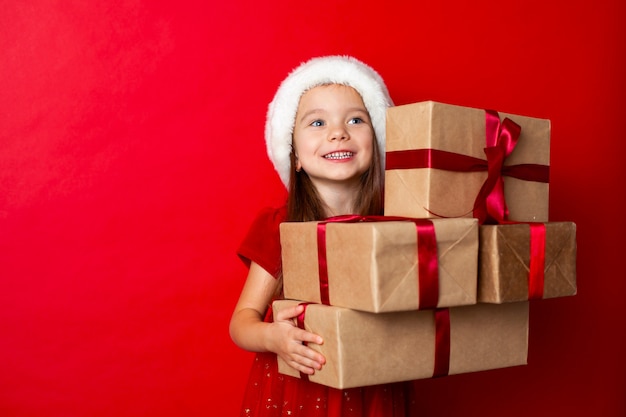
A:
(336, 69)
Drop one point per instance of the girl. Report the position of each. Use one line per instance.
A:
(325, 135)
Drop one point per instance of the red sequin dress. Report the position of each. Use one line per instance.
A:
(272, 394)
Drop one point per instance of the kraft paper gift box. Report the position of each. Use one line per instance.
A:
(517, 263)
(364, 348)
(373, 265)
(447, 136)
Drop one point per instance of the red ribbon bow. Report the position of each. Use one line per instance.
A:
(501, 138)
(490, 206)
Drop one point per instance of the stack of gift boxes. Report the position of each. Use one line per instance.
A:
(441, 283)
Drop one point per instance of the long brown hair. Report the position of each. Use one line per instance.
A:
(305, 204)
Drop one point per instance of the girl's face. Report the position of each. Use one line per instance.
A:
(333, 135)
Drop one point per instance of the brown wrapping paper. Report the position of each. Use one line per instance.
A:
(425, 192)
(504, 262)
(366, 348)
(372, 266)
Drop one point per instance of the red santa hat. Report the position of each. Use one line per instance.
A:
(325, 70)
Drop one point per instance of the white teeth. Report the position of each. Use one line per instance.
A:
(339, 155)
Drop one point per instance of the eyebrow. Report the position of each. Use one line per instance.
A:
(319, 110)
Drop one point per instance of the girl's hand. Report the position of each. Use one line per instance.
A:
(249, 330)
(287, 342)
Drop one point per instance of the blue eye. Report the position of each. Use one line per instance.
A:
(317, 123)
(355, 120)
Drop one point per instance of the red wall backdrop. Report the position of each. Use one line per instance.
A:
(132, 161)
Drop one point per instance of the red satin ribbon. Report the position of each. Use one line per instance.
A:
(537, 261)
(442, 342)
(537, 258)
(428, 265)
(300, 322)
(501, 138)
(450, 161)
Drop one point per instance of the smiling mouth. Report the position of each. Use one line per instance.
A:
(339, 155)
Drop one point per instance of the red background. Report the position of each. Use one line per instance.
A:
(132, 161)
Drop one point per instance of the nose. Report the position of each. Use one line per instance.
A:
(338, 132)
